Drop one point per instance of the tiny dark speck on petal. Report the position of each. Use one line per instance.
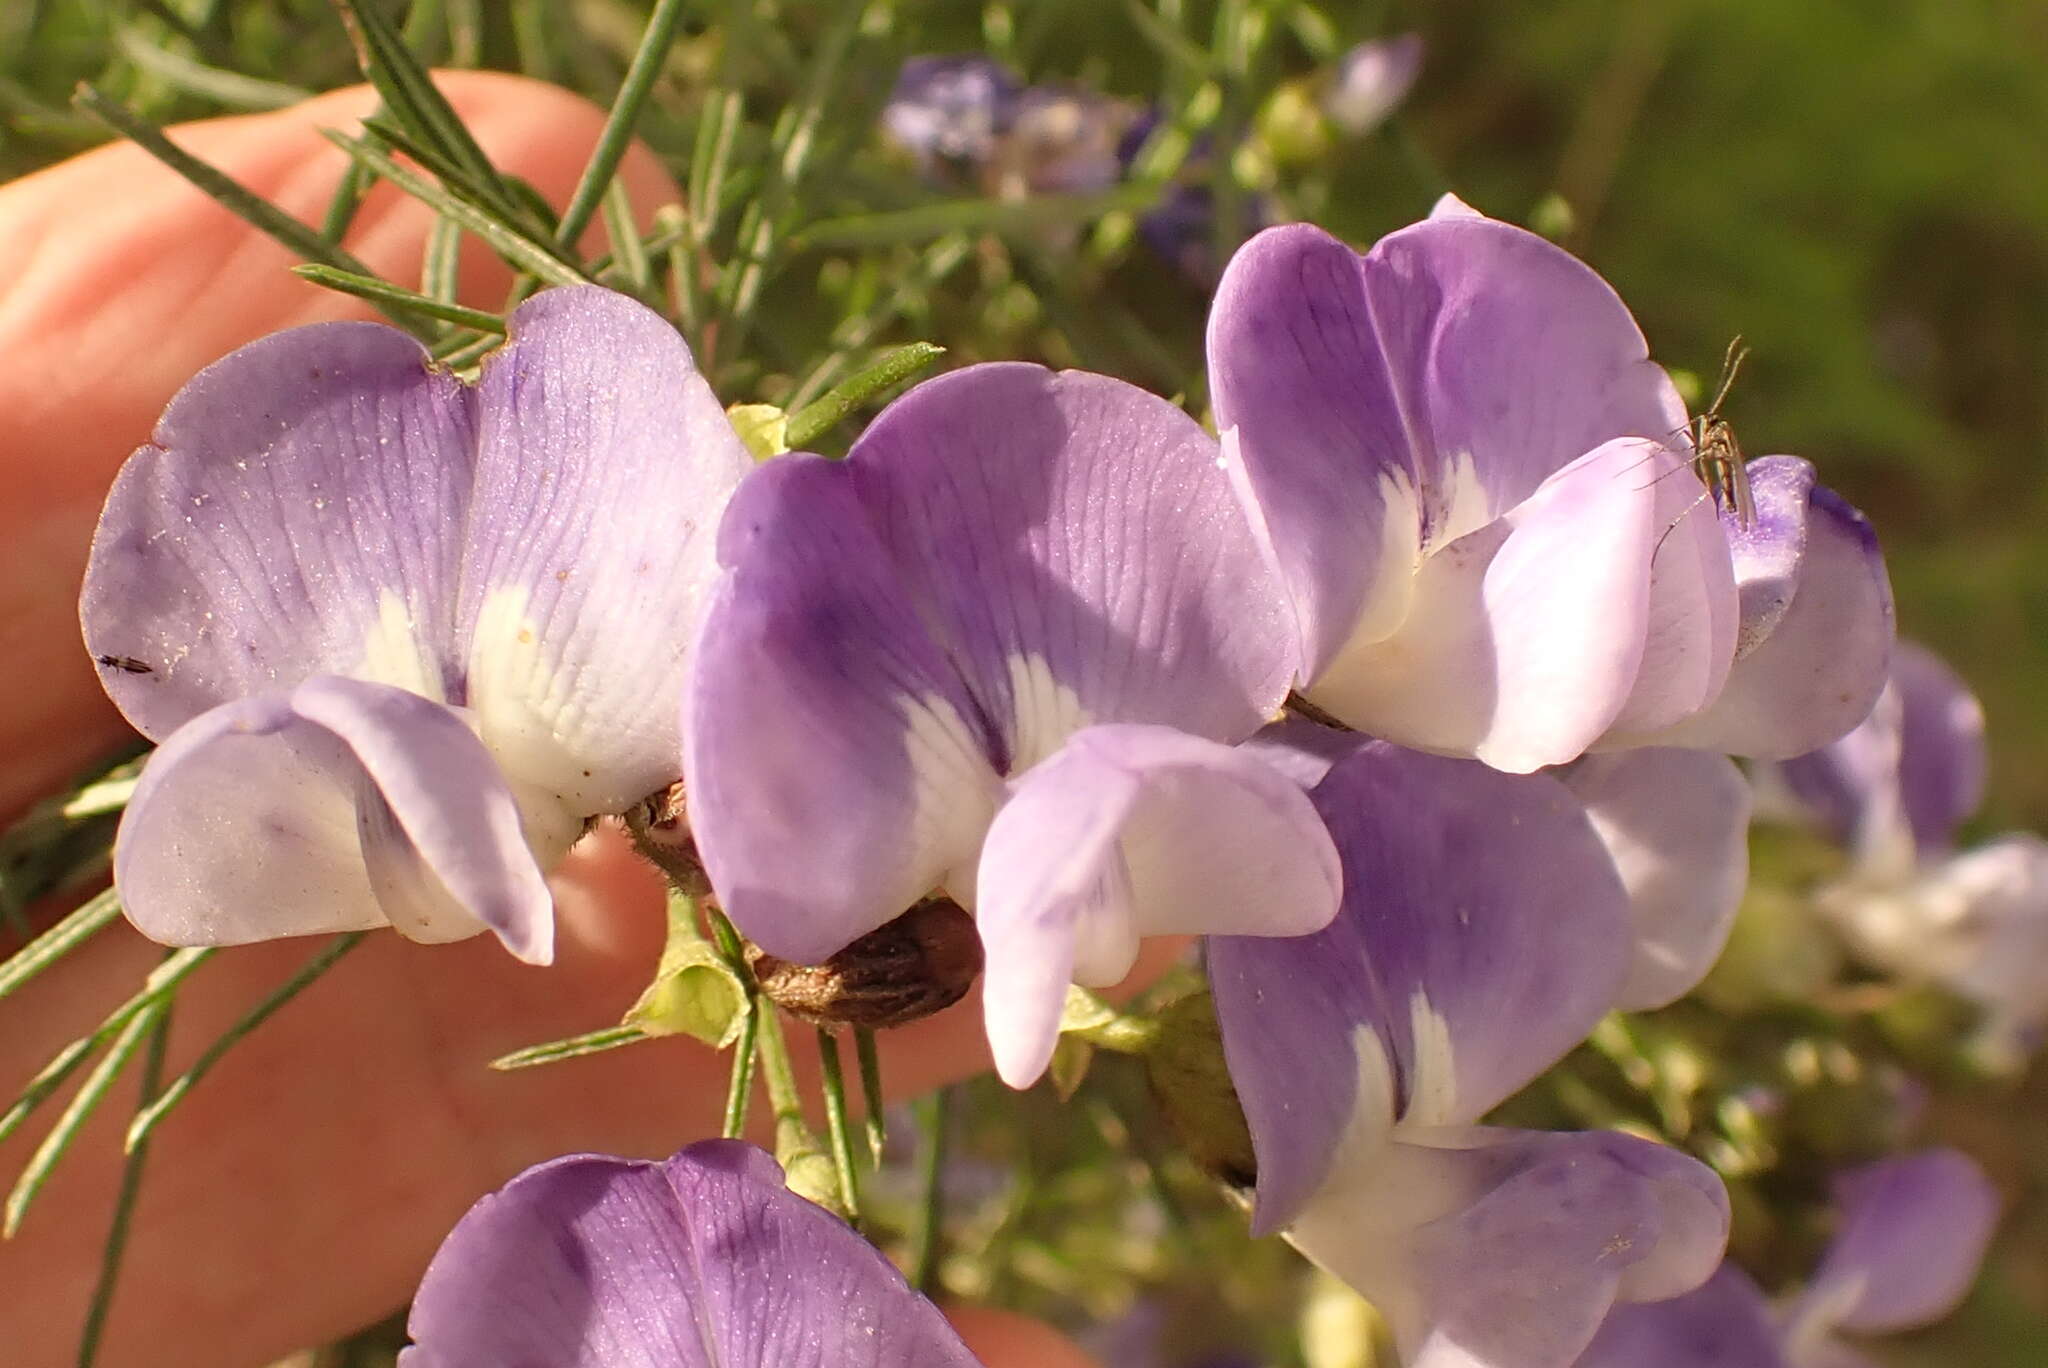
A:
(561, 576)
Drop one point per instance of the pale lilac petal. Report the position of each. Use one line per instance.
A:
(1130, 831)
(705, 1261)
(1821, 669)
(297, 512)
(1484, 932)
(1371, 81)
(604, 462)
(1769, 552)
(1078, 555)
(1725, 1323)
(1850, 787)
(1531, 637)
(335, 806)
(836, 769)
(1507, 1249)
(1301, 749)
(1677, 824)
(1911, 1235)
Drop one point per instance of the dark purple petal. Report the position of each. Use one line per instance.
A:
(1677, 825)
(1371, 81)
(297, 512)
(823, 719)
(604, 462)
(1126, 832)
(1506, 1249)
(1822, 667)
(705, 1261)
(1725, 1323)
(1941, 747)
(336, 806)
(1387, 405)
(1911, 1237)
(1483, 933)
(1077, 554)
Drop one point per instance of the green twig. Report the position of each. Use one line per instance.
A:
(812, 421)
(836, 1128)
(928, 1235)
(641, 74)
(87, 1101)
(229, 194)
(517, 248)
(124, 1200)
(60, 940)
(153, 1112)
(871, 1091)
(629, 249)
(384, 292)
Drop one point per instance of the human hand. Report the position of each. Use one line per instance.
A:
(300, 1191)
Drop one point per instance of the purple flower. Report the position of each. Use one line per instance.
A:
(1472, 481)
(399, 637)
(703, 1261)
(1002, 649)
(1484, 931)
(1371, 81)
(949, 111)
(1910, 1234)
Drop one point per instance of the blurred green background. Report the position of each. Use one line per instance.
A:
(1858, 189)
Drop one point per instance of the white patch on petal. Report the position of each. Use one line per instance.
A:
(394, 654)
(1461, 503)
(955, 791)
(1432, 1074)
(523, 708)
(1398, 555)
(1044, 711)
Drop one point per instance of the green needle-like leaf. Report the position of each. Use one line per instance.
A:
(60, 940)
(153, 1112)
(809, 423)
(836, 1127)
(574, 1047)
(641, 75)
(383, 292)
(124, 1201)
(90, 1094)
(225, 87)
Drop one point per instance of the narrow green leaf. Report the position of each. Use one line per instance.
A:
(890, 370)
(574, 1047)
(153, 1112)
(927, 1235)
(629, 250)
(937, 262)
(739, 1091)
(413, 98)
(124, 1201)
(1005, 217)
(87, 1101)
(380, 291)
(515, 247)
(641, 74)
(441, 264)
(872, 1102)
(223, 87)
(237, 200)
(76, 929)
(836, 1127)
(162, 982)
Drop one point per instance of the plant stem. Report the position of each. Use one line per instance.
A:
(124, 1200)
(926, 1238)
(836, 1127)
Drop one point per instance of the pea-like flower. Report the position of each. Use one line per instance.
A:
(397, 636)
(1484, 931)
(1003, 649)
(1474, 484)
(703, 1261)
(1910, 1234)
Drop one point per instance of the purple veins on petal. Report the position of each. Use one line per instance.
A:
(703, 1261)
(530, 551)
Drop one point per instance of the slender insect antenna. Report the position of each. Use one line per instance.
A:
(1730, 363)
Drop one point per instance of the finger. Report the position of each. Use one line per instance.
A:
(1001, 1339)
(118, 281)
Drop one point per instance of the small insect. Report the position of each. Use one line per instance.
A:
(1716, 458)
(125, 664)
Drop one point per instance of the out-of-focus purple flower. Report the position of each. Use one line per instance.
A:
(1062, 141)
(1910, 1236)
(399, 637)
(1894, 790)
(703, 1261)
(1484, 931)
(1371, 81)
(950, 111)
(1002, 649)
(1474, 485)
